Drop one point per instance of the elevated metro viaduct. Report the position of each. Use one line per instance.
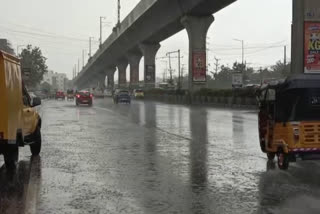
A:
(140, 34)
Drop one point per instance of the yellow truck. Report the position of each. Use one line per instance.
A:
(20, 124)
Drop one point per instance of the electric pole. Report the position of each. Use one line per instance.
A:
(101, 18)
(182, 73)
(179, 66)
(216, 64)
(285, 56)
(179, 70)
(170, 69)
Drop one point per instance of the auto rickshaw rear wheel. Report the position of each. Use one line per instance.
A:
(35, 148)
(283, 161)
(271, 155)
(11, 156)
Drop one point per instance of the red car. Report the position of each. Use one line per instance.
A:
(60, 95)
(84, 97)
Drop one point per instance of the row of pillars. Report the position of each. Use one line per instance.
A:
(197, 28)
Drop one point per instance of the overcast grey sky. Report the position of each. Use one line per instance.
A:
(61, 28)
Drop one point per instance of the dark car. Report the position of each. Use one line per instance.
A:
(122, 96)
(84, 97)
(60, 95)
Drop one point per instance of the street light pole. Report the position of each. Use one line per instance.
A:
(82, 58)
(119, 10)
(242, 44)
(101, 18)
(90, 38)
(78, 65)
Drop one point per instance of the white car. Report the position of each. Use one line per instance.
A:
(107, 93)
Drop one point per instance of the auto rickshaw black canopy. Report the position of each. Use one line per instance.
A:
(300, 81)
(297, 98)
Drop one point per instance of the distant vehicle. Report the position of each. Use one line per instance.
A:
(121, 96)
(289, 119)
(254, 86)
(60, 95)
(98, 93)
(84, 97)
(107, 93)
(138, 93)
(70, 94)
(20, 124)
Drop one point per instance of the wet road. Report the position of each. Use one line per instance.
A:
(153, 158)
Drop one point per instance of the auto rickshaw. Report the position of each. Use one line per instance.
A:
(289, 119)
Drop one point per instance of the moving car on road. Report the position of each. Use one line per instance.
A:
(84, 97)
(289, 119)
(60, 95)
(20, 124)
(121, 96)
(138, 93)
(70, 94)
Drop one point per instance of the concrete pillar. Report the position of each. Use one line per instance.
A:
(110, 77)
(149, 52)
(306, 12)
(122, 68)
(297, 37)
(102, 81)
(134, 61)
(197, 28)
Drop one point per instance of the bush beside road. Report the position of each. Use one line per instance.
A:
(224, 97)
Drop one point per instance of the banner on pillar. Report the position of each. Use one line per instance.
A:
(150, 74)
(199, 66)
(312, 47)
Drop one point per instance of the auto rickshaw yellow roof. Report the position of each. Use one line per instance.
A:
(9, 57)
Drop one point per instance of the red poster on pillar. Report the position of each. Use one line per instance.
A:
(199, 66)
(311, 47)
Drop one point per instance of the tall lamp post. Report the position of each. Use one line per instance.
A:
(90, 39)
(242, 44)
(119, 10)
(101, 19)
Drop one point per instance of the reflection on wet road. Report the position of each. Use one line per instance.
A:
(154, 158)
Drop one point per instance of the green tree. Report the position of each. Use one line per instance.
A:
(45, 88)
(281, 70)
(33, 62)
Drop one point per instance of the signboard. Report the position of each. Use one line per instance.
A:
(237, 80)
(150, 74)
(312, 10)
(311, 47)
(199, 64)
